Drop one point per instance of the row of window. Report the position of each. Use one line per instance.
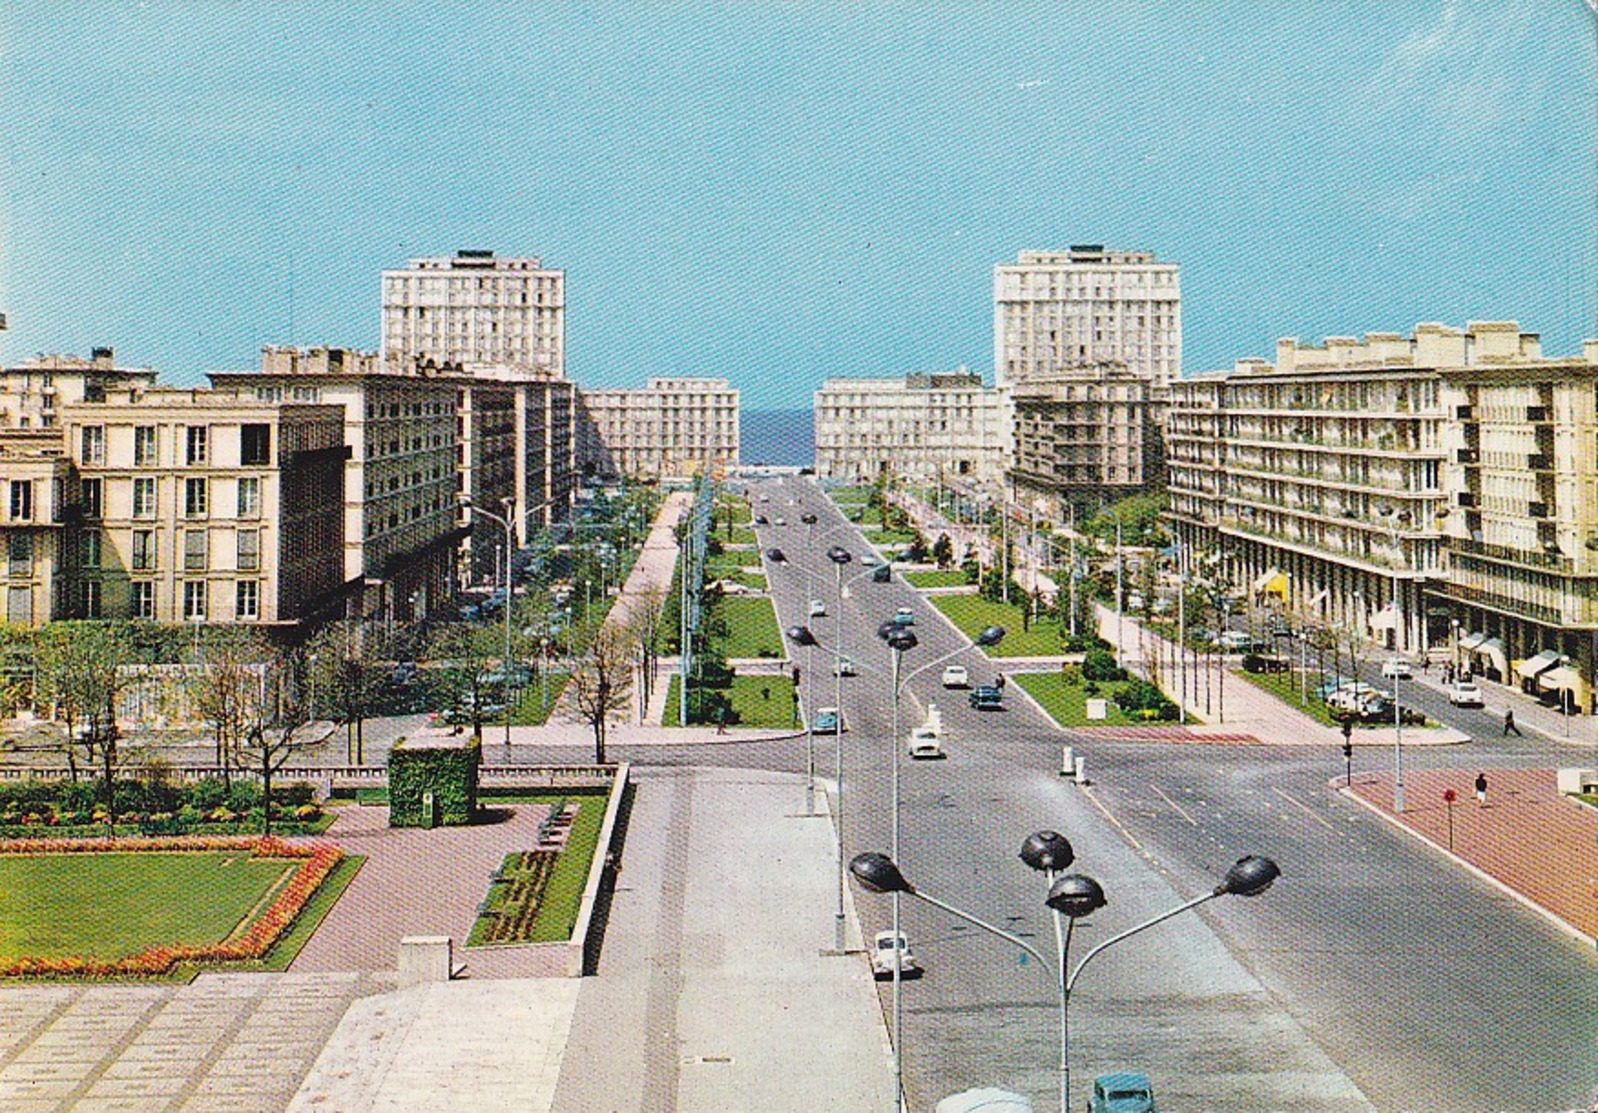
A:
(196, 498)
(255, 445)
(196, 600)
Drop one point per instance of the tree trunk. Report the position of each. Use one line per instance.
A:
(108, 762)
(266, 791)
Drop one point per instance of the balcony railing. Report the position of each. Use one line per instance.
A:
(1524, 557)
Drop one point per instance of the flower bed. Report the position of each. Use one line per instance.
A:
(263, 930)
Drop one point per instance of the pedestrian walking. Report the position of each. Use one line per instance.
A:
(998, 682)
(1425, 665)
(1481, 789)
(721, 719)
(1509, 724)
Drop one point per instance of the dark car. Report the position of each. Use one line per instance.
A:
(760, 520)
(987, 698)
(1260, 662)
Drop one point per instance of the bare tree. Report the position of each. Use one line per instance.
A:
(601, 680)
(647, 611)
(275, 717)
(81, 674)
(464, 656)
(225, 686)
(341, 684)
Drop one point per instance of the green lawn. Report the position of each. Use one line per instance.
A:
(728, 564)
(561, 894)
(884, 537)
(751, 628)
(740, 535)
(949, 578)
(757, 701)
(1067, 703)
(972, 614)
(530, 709)
(138, 900)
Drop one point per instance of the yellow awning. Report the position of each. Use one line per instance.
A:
(1273, 582)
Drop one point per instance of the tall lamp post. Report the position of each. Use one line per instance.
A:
(1394, 519)
(506, 522)
(1071, 895)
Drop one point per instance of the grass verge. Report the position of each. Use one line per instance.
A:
(562, 889)
(1067, 703)
(751, 629)
(972, 614)
(757, 701)
(942, 578)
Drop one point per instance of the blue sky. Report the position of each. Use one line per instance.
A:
(776, 193)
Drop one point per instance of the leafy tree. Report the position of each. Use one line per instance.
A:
(943, 551)
(1099, 664)
(223, 686)
(82, 672)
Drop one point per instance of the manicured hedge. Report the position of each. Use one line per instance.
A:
(446, 768)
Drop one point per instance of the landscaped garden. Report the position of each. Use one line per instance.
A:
(1065, 698)
(535, 895)
(972, 614)
(154, 806)
(141, 908)
(751, 629)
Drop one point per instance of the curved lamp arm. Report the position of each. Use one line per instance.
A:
(1114, 939)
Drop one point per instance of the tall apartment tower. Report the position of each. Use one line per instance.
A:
(1057, 311)
(479, 313)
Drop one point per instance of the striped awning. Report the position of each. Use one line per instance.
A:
(1533, 667)
(1471, 641)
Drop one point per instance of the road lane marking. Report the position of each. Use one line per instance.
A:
(1174, 804)
(1119, 826)
(1303, 808)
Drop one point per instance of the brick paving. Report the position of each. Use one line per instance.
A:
(1528, 838)
(419, 882)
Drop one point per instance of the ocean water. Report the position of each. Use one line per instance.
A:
(785, 438)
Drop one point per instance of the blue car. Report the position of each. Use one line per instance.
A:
(1122, 1092)
(825, 722)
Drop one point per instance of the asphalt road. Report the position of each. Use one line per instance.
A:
(1372, 972)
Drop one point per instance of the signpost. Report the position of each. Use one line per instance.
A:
(1449, 796)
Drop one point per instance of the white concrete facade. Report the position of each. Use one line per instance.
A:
(672, 427)
(1054, 311)
(476, 311)
(942, 425)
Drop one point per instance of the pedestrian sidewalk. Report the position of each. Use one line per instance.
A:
(1531, 714)
(1528, 840)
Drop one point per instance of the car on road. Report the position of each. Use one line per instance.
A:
(868, 559)
(844, 667)
(889, 951)
(1266, 662)
(1465, 693)
(881, 574)
(1122, 1092)
(924, 745)
(986, 698)
(1233, 641)
(760, 520)
(818, 609)
(776, 556)
(1397, 668)
(956, 676)
(825, 722)
(780, 522)
(904, 616)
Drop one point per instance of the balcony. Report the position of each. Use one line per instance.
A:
(1523, 557)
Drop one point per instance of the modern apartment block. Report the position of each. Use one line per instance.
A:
(33, 392)
(199, 506)
(672, 427)
(1083, 437)
(939, 426)
(402, 523)
(1460, 465)
(503, 316)
(1056, 311)
(35, 479)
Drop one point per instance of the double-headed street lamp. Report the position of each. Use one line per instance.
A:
(1071, 895)
(507, 521)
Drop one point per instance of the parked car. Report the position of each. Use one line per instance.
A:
(868, 559)
(1233, 641)
(904, 616)
(1465, 693)
(956, 676)
(1260, 662)
(818, 608)
(1397, 668)
(844, 667)
(825, 722)
(889, 951)
(1122, 1092)
(986, 698)
(1331, 685)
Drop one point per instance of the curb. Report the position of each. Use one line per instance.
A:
(1501, 886)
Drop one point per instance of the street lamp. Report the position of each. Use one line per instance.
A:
(1071, 895)
(899, 639)
(1394, 518)
(839, 557)
(507, 522)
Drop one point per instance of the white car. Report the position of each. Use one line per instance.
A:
(844, 667)
(818, 609)
(1465, 693)
(956, 676)
(868, 560)
(888, 951)
(1397, 668)
(924, 745)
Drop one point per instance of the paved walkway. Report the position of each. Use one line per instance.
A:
(419, 882)
(1529, 840)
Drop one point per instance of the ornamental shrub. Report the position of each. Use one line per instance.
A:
(1099, 664)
